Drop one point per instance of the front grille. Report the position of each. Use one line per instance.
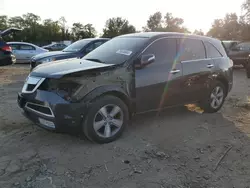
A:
(39, 109)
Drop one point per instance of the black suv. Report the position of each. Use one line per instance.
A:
(127, 75)
(6, 55)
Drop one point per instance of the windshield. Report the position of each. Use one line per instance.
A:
(76, 46)
(117, 50)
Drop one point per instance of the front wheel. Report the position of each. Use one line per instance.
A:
(215, 98)
(106, 119)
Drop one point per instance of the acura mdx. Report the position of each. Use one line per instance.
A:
(130, 74)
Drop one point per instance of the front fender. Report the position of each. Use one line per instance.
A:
(102, 90)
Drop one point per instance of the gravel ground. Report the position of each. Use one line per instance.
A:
(178, 149)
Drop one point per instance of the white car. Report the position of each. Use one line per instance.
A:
(24, 51)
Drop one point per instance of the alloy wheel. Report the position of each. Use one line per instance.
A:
(108, 121)
(217, 97)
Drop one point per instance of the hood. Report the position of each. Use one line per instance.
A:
(51, 54)
(58, 69)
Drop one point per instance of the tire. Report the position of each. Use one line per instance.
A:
(102, 132)
(207, 105)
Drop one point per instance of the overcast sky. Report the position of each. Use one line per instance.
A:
(197, 14)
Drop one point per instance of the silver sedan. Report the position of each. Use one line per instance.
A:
(24, 51)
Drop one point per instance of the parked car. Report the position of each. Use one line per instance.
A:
(6, 55)
(239, 53)
(76, 50)
(130, 74)
(24, 51)
(55, 47)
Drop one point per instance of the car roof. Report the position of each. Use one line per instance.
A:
(230, 41)
(13, 42)
(93, 39)
(156, 35)
(166, 34)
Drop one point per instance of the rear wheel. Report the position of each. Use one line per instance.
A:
(215, 98)
(106, 119)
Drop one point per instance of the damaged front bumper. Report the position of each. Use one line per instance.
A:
(50, 111)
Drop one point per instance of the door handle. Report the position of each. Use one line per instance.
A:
(210, 65)
(174, 71)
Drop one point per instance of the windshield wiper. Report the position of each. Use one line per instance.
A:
(96, 60)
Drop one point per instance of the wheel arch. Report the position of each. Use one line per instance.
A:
(224, 82)
(116, 91)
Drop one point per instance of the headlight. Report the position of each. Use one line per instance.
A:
(67, 89)
(49, 59)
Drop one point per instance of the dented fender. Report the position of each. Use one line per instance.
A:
(103, 90)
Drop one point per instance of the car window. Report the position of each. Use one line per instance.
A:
(89, 48)
(96, 44)
(191, 49)
(243, 46)
(93, 46)
(26, 47)
(54, 45)
(212, 52)
(76, 46)
(14, 46)
(164, 51)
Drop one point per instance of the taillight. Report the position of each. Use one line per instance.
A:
(7, 48)
(231, 63)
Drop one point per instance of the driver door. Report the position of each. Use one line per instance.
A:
(159, 84)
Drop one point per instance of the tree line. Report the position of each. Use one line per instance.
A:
(41, 32)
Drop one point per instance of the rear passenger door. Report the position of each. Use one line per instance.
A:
(197, 69)
(159, 84)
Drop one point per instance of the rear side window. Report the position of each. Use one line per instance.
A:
(212, 52)
(191, 49)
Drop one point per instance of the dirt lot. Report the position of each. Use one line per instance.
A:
(179, 148)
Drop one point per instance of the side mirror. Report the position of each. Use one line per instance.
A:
(145, 60)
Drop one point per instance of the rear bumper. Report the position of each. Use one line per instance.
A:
(7, 60)
(50, 111)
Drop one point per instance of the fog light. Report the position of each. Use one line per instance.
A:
(47, 123)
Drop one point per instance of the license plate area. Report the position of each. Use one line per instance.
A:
(46, 123)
